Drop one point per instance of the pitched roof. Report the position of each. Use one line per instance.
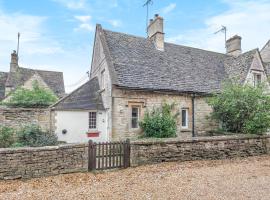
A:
(139, 65)
(85, 97)
(53, 79)
(238, 67)
(3, 78)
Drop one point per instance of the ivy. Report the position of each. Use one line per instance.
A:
(37, 97)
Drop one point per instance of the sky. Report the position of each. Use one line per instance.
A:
(59, 34)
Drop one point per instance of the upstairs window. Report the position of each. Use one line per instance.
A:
(257, 79)
(135, 117)
(184, 115)
(92, 120)
(102, 77)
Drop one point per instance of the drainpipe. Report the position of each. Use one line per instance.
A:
(193, 115)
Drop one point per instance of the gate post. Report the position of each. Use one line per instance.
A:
(91, 156)
(127, 154)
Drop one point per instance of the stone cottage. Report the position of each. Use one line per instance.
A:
(136, 74)
(24, 77)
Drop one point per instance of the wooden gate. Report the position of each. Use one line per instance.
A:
(108, 155)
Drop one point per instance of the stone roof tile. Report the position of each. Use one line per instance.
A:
(86, 97)
(139, 65)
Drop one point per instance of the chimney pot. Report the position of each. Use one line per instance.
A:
(233, 46)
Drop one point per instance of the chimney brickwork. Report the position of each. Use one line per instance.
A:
(233, 46)
(155, 32)
(14, 62)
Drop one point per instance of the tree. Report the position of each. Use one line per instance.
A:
(242, 108)
(160, 122)
(38, 97)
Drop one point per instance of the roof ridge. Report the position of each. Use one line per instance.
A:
(39, 70)
(170, 43)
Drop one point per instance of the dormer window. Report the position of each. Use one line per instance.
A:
(257, 79)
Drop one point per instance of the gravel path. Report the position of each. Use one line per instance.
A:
(246, 178)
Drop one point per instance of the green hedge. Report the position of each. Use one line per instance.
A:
(242, 108)
(30, 136)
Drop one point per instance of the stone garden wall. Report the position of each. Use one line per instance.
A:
(47, 161)
(155, 151)
(43, 161)
(18, 117)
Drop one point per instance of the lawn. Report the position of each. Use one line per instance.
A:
(245, 178)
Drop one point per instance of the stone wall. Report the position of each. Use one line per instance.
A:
(43, 161)
(123, 100)
(100, 66)
(155, 151)
(18, 117)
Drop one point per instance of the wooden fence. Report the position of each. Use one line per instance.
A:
(108, 155)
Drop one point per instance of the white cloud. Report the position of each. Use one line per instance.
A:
(83, 18)
(32, 40)
(115, 22)
(85, 23)
(72, 4)
(38, 49)
(168, 8)
(249, 19)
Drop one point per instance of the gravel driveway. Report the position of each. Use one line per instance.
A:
(246, 178)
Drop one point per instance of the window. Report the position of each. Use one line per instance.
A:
(184, 114)
(257, 79)
(134, 117)
(92, 120)
(102, 79)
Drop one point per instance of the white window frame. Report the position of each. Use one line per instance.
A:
(90, 127)
(137, 107)
(186, 124)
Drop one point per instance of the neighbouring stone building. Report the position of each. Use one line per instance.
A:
(136, 74)
(24, 77)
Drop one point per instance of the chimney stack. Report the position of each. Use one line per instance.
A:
(233, 46)
(14, 62)
(155, 32)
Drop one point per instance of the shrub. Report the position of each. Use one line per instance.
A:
(6, 137)
(242, 108)
(33, 136)
(38, 97)
(160, 122)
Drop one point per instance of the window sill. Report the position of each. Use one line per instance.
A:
(185, 130)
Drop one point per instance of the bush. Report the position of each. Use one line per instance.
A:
(242, 108)
(38, 97)
(160, 122)
(33, 136)
(6, 137)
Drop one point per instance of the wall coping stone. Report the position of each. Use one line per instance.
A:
(45, 148)
(4, 108)
(151, 141)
